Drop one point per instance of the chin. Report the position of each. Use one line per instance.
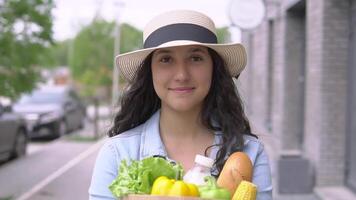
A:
(184, 107)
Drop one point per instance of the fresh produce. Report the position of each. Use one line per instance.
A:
(162, 186)
(138, 177)
(238, 167)
(194, 191)
(212, 191)
(245, 191)
(170, 187)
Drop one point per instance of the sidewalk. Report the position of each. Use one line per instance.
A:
(269, 142)
(60, 170)
(71, 181)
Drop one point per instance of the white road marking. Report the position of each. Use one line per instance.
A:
(61, 170)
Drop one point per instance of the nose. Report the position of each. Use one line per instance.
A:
(182, 71)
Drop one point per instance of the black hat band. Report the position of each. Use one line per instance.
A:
(180, 32)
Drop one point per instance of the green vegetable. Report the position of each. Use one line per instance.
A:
(212, 191)
(138, 177)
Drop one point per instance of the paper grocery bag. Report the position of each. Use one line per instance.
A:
(154, 197)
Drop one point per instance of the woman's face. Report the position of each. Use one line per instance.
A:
(182, 76)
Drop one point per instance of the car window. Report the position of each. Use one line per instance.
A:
(41, 97)
(74, 95)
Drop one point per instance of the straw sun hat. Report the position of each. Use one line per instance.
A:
(177, 28)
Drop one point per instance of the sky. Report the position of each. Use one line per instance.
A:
(71, 15)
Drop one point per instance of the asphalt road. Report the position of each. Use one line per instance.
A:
(58, 170)
(72, 184)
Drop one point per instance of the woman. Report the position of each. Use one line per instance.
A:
(182, 101)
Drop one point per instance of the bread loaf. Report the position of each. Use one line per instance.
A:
(237, 167)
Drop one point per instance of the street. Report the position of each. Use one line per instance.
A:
(58, 169)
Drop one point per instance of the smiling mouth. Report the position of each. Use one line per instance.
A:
(182, 89)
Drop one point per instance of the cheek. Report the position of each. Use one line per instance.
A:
(155, 79)
(158, 79)
(208, 81)
(205, 77)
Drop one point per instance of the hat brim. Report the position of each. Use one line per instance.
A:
(234, 56)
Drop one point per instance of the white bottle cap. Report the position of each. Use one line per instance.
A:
(205, 161)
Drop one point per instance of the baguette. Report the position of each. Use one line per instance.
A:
(237, 167)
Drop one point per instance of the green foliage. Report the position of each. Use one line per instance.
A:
(92, 55)
(25, 33)
(56, 55)
(130, 38)
(223, 35)
(137, 177)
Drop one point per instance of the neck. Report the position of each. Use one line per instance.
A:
(182, 125)
(184, 136)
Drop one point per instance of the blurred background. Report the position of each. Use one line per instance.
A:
(59, 89)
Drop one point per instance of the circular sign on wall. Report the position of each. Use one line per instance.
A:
(246, 14)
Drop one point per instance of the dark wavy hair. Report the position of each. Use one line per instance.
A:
(222, 108)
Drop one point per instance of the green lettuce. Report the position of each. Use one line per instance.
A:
(138, 177)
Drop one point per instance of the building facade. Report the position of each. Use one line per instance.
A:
(299, 90)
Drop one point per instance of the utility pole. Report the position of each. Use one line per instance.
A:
(116, 74)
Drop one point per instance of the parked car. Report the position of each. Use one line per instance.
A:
(51, 111)
(13, 134)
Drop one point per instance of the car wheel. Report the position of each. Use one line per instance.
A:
(82, 123)
(62, 128)
(20, 145)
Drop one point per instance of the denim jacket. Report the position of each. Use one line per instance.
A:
(144, 141)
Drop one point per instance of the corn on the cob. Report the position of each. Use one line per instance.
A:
(245, 191)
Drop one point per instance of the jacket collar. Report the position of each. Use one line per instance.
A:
(152, 145)
(151, 142)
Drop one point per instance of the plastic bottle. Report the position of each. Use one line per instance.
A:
(201, 169)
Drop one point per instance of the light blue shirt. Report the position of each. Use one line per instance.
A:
(144, 141)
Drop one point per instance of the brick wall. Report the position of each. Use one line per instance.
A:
(278, 99)
(334, 65)
(244, 84)
(259, 74)
(294, 79)
(314, 62)
(326, 50)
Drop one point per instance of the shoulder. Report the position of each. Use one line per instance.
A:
(261, 167)
(253, 147)
(125, 145)
(129, 134)
(252, 142)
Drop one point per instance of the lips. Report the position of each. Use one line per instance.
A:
(182, 89)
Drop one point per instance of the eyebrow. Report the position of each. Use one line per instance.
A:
(162, 51)
(197, 49)
(193, 50)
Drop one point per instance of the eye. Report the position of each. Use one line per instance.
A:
(165, 59)
(196, 58)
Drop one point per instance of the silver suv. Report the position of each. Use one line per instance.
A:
(13, 134)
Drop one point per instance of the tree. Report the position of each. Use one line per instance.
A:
(25, 33)
(131, 38)
(56, 55)
(92, 55)
(223, 34)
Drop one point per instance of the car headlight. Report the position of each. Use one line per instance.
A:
(31, 117)
(50, 117)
